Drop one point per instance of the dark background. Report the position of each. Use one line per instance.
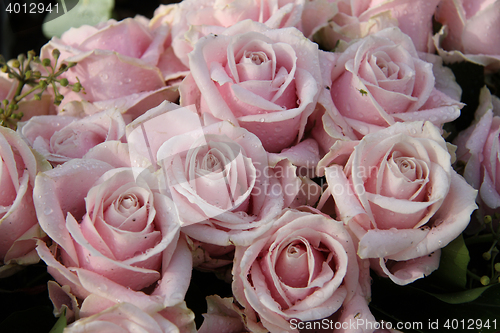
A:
(14, 42)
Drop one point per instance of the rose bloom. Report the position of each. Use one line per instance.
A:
(116, 60)
(400, 196)
(303, 269)
(191, 20)
(113, 235)
(380, 80)
(470, 31)
(218, 175)
(61, 138)
(478, 149)
(358, 18)
(127, 317)
(18, 223)
(264, 80)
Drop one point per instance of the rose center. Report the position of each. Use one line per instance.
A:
(295, 251)
(298, 264)
(127, 204)
(210, 163)
(255, 58)
(408, 168)
(385, 68)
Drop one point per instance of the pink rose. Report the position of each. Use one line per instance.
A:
(114, 235)
(478, 148)
(360, 18)
(115, 59)
(193, 19)
(470, 31)
(264, 80)
(303, 269)
(380, 80)
(400, 196)
(61, 138)
(18, 223)
(219, 175)
(127, 317)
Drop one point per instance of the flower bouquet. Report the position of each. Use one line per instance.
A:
(256, 166)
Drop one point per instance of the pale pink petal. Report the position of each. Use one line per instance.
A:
(405, 272)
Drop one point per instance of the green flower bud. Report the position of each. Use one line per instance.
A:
(71, 64)
(46, 62)
(59, 98)
(17, 116)
(27, 75)
(38, 97)
(4, 69)
(64, 82)
(485, 280)
(487, 255)
(487, 219)
(56, 53)
(5, 101)
(63, 67)
(77, 87)
(497, 267)
(15, 63)
(37, 74)
(31, 53)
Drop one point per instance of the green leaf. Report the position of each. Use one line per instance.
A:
(90, 12)
(462, 296)
(408, 304)
(61, 323)
(453, 264)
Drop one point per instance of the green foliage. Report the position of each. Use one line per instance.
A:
(60, 324)
(453, 264)
(27, 72)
